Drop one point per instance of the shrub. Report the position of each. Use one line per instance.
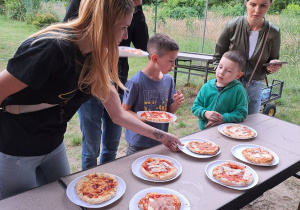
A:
(292, 10)
(15, 9)
(228, 10)
(42, 20)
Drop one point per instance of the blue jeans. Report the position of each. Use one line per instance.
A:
(254, 92)
(18, 174)
(91, 115)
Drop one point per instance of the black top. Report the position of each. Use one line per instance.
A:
(51, 69)
(137, 35)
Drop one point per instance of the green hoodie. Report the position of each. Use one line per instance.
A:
(231, 102)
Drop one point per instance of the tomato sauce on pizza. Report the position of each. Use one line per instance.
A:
(158, 116)
(97, 187)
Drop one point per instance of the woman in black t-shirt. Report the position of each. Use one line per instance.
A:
(52, 73)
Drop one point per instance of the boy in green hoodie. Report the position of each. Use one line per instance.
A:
(224, 99)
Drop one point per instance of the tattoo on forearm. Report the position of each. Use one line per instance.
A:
(158, 134)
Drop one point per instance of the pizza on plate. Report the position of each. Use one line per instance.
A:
(157, 116)
(157, 201)
(258, 155)
(96, 187)
(232, 174)
(158, 169)
(238, 131)
(203, 147)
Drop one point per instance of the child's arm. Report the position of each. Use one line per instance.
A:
(178, 100)
(128, 109)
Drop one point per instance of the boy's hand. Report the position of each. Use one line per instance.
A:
(213, 123)
(178, 97)
(213, 116)
(137, 2)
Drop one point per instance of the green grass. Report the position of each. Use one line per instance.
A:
(11, 36)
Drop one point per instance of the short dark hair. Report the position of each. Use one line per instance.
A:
(161, 44)
(237, 57)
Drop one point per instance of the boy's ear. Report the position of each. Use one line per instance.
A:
(239, 75)
(154, 58)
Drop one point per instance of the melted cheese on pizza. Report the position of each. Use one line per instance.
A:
(158, 166)
(237, 130)
(233, 173)
(157, 201)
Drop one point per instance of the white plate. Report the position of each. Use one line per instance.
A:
(237, 152)
(220, 129)
(209, 168)
(133, 204)
(136, 165)
(131, 52)
(72, 195)
(139, 113)
(188, 152)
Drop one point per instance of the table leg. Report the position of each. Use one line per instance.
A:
(175, 72)
(206, 72)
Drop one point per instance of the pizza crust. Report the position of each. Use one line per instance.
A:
(232, 174)
(96, 188)
(158, 169)
(155, 201)
(203, 147)
(238, 131)
(258, 156)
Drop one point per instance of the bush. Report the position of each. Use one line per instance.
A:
(15, 9)
(42, 20)
(292, 10)
(182, 12)
(229, 10)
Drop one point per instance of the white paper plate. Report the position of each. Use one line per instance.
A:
(136, 165)
(131, 52)
(237, 152)
(133, 204)
(72, 195)
(220, 129)
(185, 150)
(139, 113)
(209, 168)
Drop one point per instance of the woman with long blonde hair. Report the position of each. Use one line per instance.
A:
(51, 74)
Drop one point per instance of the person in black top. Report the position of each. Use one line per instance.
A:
(52, 73)
(95, 122)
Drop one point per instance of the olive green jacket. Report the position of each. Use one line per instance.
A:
(235, 36)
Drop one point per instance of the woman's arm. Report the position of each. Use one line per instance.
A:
(127, 120)
(9, 85)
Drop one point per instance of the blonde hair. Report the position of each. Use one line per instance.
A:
(96, 20)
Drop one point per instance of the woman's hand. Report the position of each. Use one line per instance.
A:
(273, 68)
(169, 140)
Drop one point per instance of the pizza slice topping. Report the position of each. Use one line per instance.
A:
(233, 174)
(157, 201)
(96, 187)
(157, 116)
(157, 165)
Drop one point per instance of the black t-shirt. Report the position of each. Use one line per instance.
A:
(51, 69)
